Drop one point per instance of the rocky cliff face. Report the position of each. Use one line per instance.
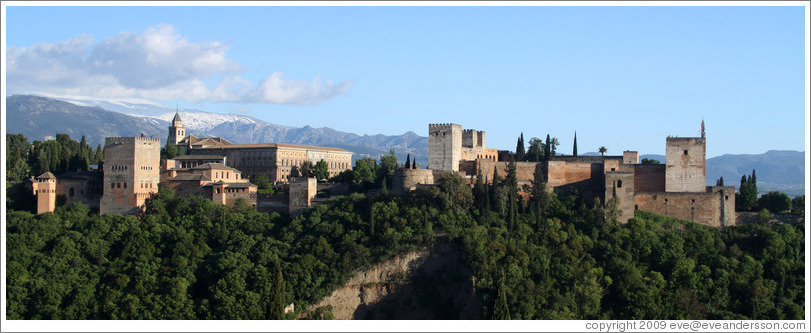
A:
(429, 283)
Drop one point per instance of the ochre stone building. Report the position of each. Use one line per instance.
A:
(210, 179)
(677, 188)
(131, 173)
(276, 160)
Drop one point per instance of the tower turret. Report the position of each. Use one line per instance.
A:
(176, 131)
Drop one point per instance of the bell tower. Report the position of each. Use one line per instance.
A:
(176, 131)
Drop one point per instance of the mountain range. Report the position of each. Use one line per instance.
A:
(40, 118)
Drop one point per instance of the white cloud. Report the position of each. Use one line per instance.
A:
(276, 89)
(156, 64)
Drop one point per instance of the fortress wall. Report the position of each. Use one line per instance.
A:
(407, 179)
(715, 208)
(524, 171)
(649, 177)
(561, 173)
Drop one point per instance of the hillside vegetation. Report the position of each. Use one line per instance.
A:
(553, 257)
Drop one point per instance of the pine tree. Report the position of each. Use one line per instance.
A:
(574, 149)
(520, 153)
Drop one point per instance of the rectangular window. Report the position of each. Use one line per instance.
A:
(685, 152)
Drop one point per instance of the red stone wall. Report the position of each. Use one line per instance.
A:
(649, 177)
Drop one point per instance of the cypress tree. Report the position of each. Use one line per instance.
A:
(486, 196)
(574, 149)
(98, 156)
(478, 190)
(520, 153)
(546, 149)
(408, 162)
(372, 220)
(500, 309)
(276, 302)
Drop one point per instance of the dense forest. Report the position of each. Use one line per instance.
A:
(549, 256)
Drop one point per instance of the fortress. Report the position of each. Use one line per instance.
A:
(676, 188)
(221, 171)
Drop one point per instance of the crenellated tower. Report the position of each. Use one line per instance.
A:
(685, 160)
(131, 173)
(444, 146)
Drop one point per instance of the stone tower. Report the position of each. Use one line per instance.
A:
(685, 160)
(176, 131)
(45, 190)
(444, 146)
(302, 192)
(131, 173)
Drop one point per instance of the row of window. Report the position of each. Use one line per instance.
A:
(46, 191)
(232, 190)
(331, 165)
(118, 167)
(226, 175)
(146, 168)
(117, 185)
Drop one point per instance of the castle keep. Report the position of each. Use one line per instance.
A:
(677, 188)
(131, 173)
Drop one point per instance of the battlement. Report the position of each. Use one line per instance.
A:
(127, 139)
(685, 138)
(439, 126)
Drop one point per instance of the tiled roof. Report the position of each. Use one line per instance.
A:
(216, 166)
(47, 175)
(199, 157)
(277, 145)
(188, 177)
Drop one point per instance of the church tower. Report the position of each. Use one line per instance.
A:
(176, 131)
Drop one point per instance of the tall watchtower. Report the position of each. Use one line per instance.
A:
(176, 131)
(444, 146)
(45, 190)
(131, 173)
(685, 160)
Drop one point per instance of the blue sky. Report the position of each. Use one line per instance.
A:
(622, 77)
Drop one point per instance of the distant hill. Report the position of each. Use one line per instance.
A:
(777, 170)
(40, 117)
